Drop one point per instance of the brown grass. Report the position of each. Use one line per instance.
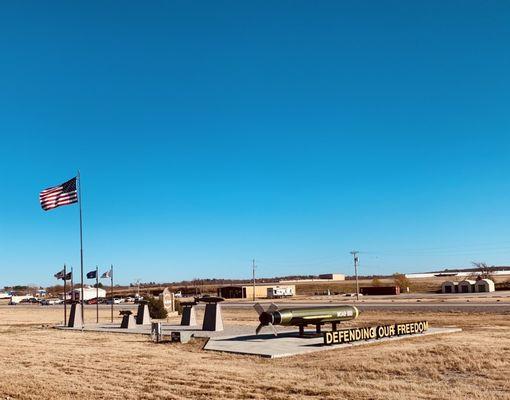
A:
(44, 363)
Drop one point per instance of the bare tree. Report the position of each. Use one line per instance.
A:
(485, 270)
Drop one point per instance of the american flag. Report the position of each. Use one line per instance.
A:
(60, 274)
(57, 196)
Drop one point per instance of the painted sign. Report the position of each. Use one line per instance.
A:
(374, 332)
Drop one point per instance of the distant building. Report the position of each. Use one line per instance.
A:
(88, 293)
(449, 287)
(333, 277)
(484, 285)
(466, 286)
(322, 278)
(246, 291)
(461, 273)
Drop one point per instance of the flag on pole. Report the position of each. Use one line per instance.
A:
(92, 274)
(59, 275)
(69, 276)
(60, 195)
(107, 274)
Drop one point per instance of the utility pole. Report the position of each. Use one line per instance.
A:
(253, 270)
(356, 261)
(137, 287)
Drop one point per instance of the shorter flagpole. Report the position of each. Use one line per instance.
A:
(111, 291)
(97, 294)
(65, 296)
(78, 179)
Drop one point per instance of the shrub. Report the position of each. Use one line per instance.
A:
(376, 282)
(401, 280)
(156, 308)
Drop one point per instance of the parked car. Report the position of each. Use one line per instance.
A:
(115, 300)
(31, 300)
(50, 302)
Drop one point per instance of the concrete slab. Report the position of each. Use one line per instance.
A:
(229, 330)
(289, 344)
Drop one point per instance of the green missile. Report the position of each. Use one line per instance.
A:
(302, 317)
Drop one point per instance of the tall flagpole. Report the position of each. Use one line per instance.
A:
(81, 250)
(111, 291)
(97, 294)
(65, 297)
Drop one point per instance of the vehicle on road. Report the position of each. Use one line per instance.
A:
(50, 302)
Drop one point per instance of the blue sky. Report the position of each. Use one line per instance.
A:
(211, 133)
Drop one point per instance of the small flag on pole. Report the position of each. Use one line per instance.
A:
(57, 196)
(69, 276)
(59, 275)
(92, 274)
(107, 274)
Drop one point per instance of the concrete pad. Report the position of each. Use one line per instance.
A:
(289, 344)
(230, 330)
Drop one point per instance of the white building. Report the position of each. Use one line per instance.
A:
(466, 286)
(484, 285)
(88, 293)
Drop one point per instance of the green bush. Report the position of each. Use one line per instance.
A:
(156, 308)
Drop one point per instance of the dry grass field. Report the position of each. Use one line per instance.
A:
(39, 362)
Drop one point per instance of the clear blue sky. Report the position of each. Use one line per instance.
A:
(209, 133)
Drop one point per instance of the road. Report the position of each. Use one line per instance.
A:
(472, 306)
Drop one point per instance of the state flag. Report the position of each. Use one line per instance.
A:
(107, 274)
(92, 274)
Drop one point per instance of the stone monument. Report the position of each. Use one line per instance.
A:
(189, 316)
(213, 321)
(168, 299)
(75, 316)
(128, 320)
(142, 316)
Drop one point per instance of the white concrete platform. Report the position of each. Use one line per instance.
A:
(229, 330)
(289, 344)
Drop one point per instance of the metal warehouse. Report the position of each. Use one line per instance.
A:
(246, 291)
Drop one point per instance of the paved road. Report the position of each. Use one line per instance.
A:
(472, 306)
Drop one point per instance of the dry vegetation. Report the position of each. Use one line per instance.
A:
(44, 363)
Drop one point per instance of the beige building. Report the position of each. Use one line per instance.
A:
(484, 285)
(449, 287)
(466, 286)
(333, 277)
(246, 291)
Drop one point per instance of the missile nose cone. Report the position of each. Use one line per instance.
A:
(266, 318)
